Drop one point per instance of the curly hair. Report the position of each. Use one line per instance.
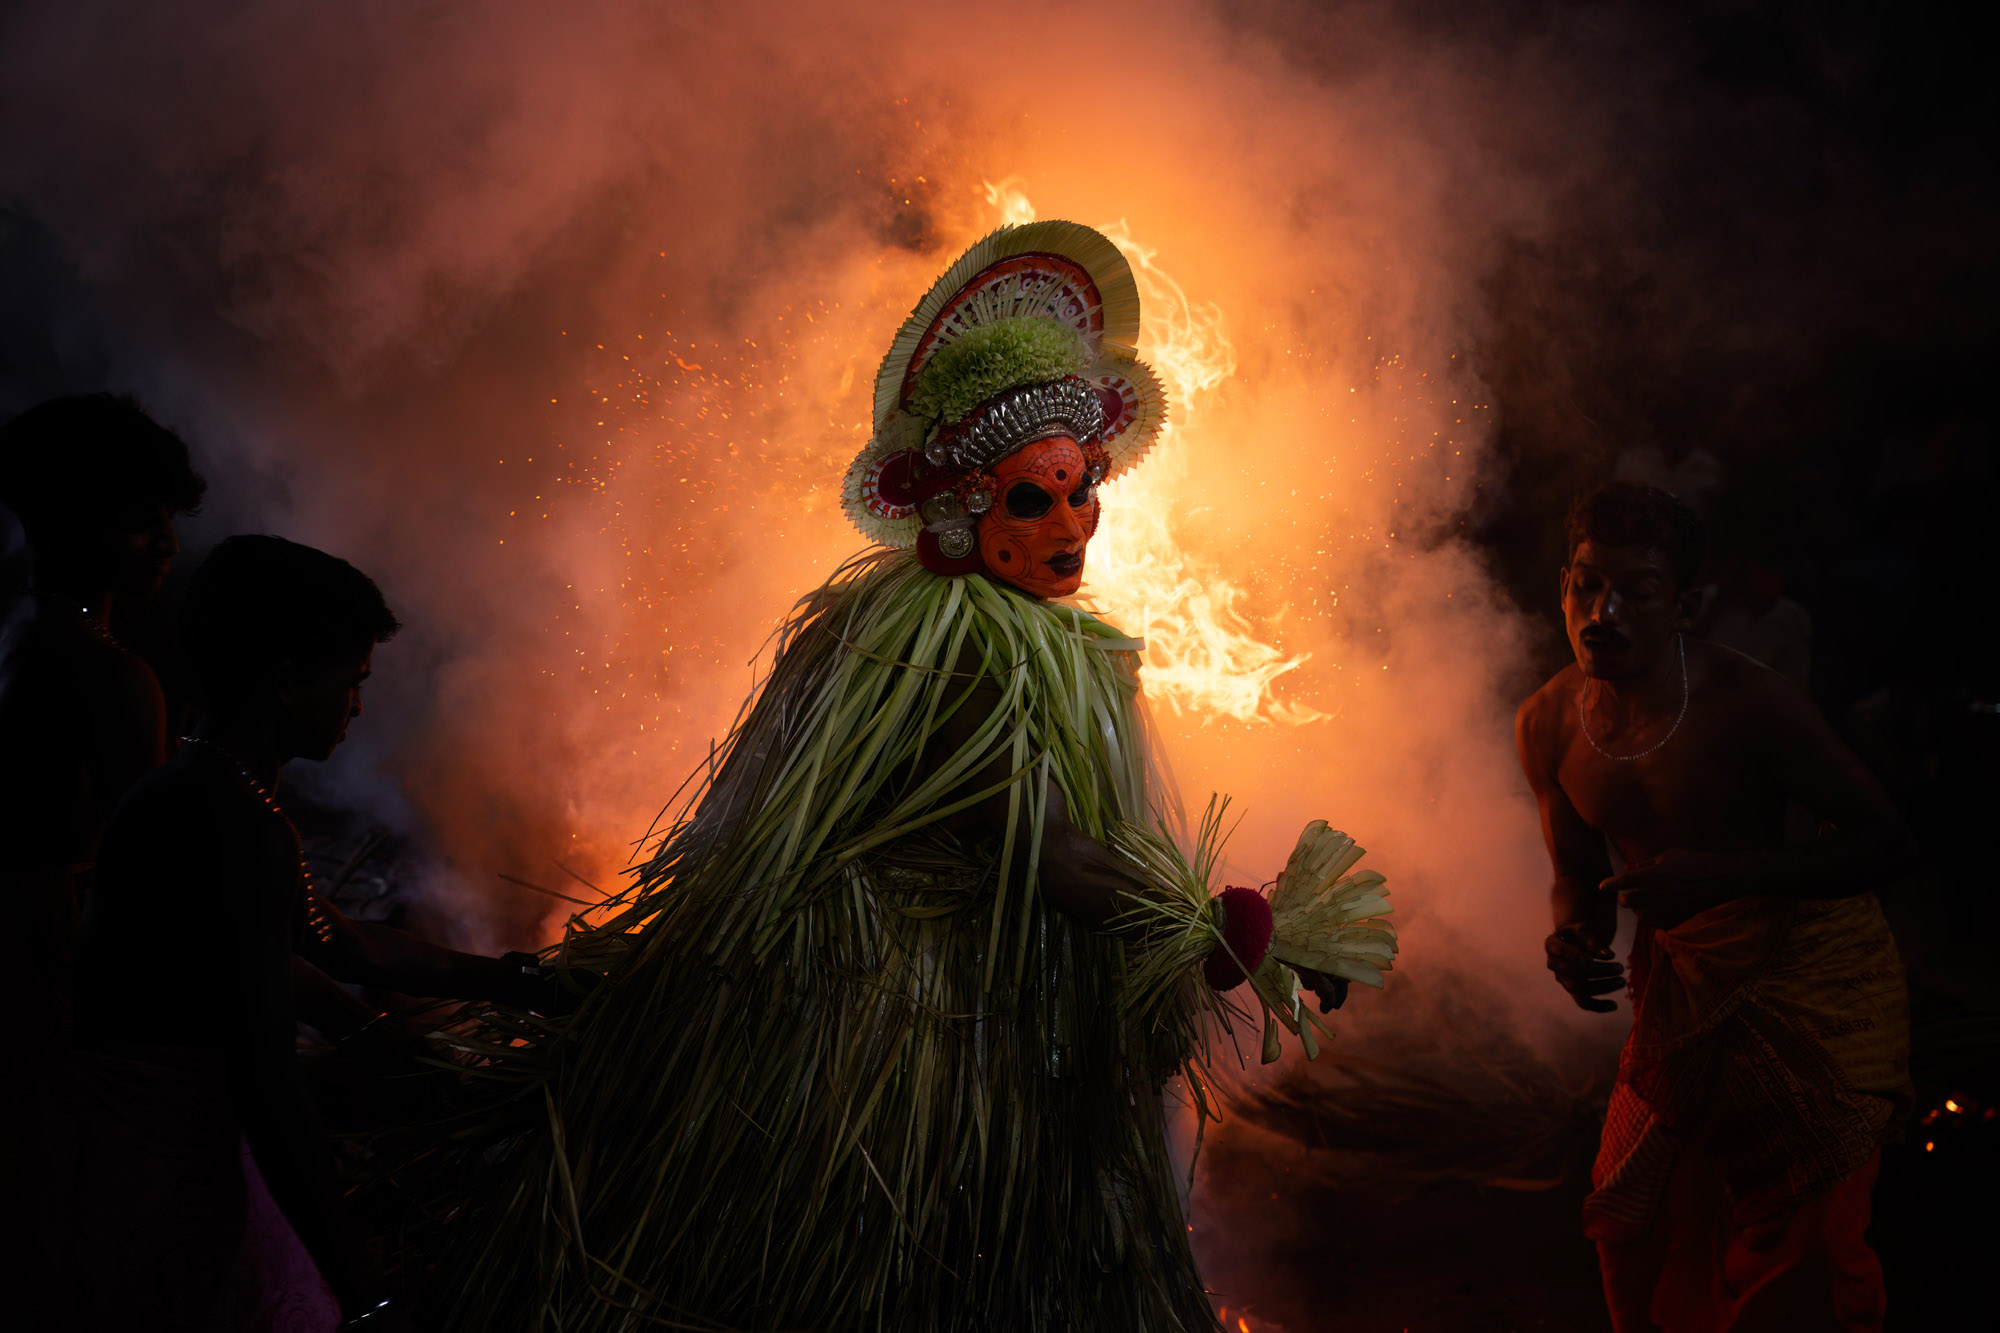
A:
(94, 459)
(1635, 513)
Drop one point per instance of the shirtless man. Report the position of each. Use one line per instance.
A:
(185, 1030)
(96, 484)
(1768, 1056)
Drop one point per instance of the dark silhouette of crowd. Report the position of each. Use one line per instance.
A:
(168, 1165)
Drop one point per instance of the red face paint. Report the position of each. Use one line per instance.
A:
(1044, 511)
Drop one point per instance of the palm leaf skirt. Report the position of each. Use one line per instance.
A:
(845, 1072)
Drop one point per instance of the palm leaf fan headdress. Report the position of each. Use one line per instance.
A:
(1033, 332)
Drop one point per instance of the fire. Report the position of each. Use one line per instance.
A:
(680, 438)
(1006, 196)
(1203, 653)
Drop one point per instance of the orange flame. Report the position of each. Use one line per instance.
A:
(1203, 653)
(1006, 196)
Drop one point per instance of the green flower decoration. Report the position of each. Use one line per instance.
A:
(991, 359)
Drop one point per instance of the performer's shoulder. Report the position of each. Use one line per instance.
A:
(1541, 724)
(1552, 702)
(1717, 667)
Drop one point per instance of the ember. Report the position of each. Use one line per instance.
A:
(1240, 1321)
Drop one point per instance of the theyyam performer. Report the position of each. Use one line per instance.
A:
(889, 1012)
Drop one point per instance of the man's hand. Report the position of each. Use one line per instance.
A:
(1585, 968)
(1678, 884)
(540, 989)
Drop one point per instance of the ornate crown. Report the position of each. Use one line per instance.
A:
(1031, 334)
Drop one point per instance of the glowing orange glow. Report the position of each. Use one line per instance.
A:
(1006, 196)
(1203, 654)
(1318, 645)
(1952, 1106)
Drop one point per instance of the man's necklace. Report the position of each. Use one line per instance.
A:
(88, 617)
(317, 918)
(1680, 642)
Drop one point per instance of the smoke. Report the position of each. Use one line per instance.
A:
(563, 326)
(562, 323)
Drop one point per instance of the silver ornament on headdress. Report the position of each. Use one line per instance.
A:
(952, 524)
(1017, 418)
(1061, 271)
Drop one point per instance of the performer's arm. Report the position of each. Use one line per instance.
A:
(360, 1030)
(1586, 920)
(368, 953)
(324, 1006)
(1077, 873)
(277, 1118)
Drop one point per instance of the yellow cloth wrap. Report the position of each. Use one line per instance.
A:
(1772, 1036)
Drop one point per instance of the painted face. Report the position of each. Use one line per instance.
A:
(1044, 512)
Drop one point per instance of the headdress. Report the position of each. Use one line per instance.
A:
(1031, 334)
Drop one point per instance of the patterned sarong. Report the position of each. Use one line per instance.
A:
(1769, 1035)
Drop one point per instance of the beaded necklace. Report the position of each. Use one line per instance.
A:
(86, 616)
(314, 917)
(1583, 721)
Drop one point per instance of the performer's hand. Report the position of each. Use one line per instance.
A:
(1332, 991)
(540, 989)
(1678, 884)
(1586, 969)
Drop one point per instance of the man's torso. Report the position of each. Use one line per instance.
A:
(1710, 787)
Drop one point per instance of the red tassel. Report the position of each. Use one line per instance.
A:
(1246, 930)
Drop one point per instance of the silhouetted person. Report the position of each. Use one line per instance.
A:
(1769, 1048)
(185, 1027)
(96, 484)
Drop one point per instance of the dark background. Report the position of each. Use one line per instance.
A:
(1783, 308)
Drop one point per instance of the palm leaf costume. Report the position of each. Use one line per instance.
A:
(847, 1069)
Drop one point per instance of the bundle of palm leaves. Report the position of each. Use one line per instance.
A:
(1324, 916)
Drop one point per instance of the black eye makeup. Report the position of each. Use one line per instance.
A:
(1025, 500)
